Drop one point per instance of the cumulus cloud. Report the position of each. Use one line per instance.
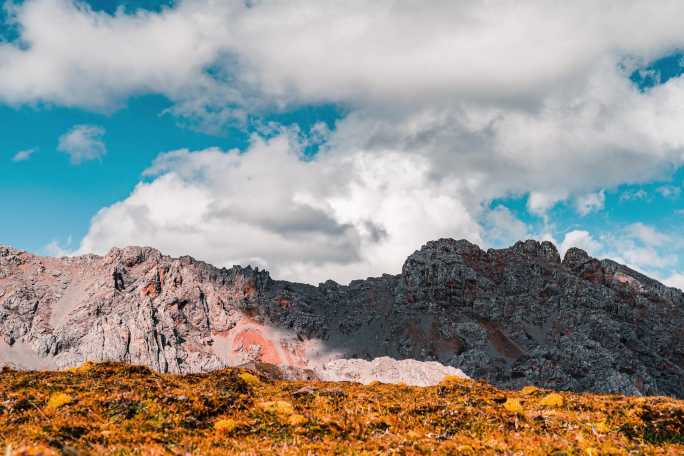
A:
(70, 55)
(23, 155)
(83, 143)
(592, 202)
(503, 228)
(639, 246)
(644, 258)
(341, 216)
(648, 235)
(669, 191)
(481, 100)
(581, 239)
(55, 248)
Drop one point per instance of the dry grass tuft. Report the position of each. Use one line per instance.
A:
(58, 400)
(249, 378)
(529, 389)
(226, 425)
(553, 400)
(513, 405)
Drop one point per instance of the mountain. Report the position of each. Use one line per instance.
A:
(514, 316)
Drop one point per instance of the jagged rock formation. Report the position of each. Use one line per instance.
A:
(512, 316)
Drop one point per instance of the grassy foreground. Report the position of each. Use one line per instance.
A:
(121, 409)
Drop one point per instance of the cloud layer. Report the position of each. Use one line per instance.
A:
(303, 51)
(449, 107)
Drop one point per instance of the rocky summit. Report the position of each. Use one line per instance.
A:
(513, 317)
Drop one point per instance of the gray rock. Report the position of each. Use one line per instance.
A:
(512, 316)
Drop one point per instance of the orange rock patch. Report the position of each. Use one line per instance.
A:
(267, 350)
(249, 336)
(149, 290)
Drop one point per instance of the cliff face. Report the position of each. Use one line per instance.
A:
(513, 316)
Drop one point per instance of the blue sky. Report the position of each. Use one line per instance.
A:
(343, 157)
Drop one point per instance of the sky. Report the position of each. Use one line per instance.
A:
(323, 139)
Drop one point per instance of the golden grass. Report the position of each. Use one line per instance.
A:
(121, 409)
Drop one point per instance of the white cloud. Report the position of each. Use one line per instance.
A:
(634, 195)
(73, 56)
(645, 248)
(83, 143)
(581, 239)
(23, 155)
(644, 258)
(540, 202)
(55, 248)
(503, 228)
(675, 280)
(341, 216)
(591, 202)
(669, 191)
(641, 247)
(648, 235)
(305, 51)
(449, 106)
(638, 246)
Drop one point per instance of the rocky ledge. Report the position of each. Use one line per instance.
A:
(514, 316)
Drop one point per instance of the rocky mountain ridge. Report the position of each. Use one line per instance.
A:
(513, 316)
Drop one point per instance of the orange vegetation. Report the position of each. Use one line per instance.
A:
(121, 409)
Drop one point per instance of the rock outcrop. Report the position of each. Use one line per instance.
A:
(512, 316)
(387, 370)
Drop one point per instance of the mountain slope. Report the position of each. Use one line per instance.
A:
(512, 316)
